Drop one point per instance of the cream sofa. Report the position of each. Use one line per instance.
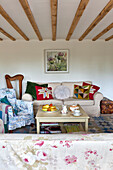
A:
(92, 107)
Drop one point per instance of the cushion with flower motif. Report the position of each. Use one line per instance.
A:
(43, 93)
(92, 91)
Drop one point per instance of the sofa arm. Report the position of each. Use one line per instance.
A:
(97, 98)
(27, 97)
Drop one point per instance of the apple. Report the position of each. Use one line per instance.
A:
(49, 109)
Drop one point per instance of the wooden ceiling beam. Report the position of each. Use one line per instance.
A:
(79, 12)
(109, 38)
(6, 34)
(1, 39)
(54, 18)
(12, 23)
(103, 32)
(101, 15)
(28, 12)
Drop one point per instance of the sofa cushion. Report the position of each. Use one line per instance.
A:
(70, 85)
(81, 92)
(43, 93)
(71, 101)
(31, 88)
(61, 92)
(92, 91)
(53, 85)
(43, 102)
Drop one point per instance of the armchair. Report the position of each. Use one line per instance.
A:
(1, 126)
(24, 110)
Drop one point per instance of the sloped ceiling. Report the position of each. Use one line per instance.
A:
(53, 19)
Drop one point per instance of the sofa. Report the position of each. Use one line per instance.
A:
(92, 107)
(56, 152)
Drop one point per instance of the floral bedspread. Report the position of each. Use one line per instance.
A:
(56, 152)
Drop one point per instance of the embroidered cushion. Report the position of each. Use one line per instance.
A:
(81, 92)
(61, 92)
(31, 88)
(92, 91)
(43, 93)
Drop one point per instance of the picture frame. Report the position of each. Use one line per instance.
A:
(56, 61)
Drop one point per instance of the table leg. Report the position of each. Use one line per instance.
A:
(86, 125)
(38, 126)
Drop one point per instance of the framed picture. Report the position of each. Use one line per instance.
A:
(56, 61)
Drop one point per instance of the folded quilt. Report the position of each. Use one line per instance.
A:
(65, 151)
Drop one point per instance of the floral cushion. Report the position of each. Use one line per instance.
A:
(43, 93)
(93, 90)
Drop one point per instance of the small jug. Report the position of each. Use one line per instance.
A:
(64, 109)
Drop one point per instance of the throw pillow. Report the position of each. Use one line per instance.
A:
(43, 93)
(92, 91)
(31, 88)
(62, 92)
(81, 92)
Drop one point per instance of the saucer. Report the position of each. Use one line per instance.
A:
(77, 114)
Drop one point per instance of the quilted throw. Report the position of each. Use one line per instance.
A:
(1, 126)
(56, 152)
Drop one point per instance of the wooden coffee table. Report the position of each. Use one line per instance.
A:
(42, 116)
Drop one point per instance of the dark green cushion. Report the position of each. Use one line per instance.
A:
(31, 88)
(6, 101)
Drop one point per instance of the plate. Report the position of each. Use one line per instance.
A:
(50, 111)
(78, 114)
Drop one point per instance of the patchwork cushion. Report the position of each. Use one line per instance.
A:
(81, 92)
(93, 90)
(43, 93)
(62, 92)
(31, 88)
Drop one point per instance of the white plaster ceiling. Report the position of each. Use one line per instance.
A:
(65, 13)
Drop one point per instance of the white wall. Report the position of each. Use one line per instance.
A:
(88, 61)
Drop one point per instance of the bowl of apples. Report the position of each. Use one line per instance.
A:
(49, 108)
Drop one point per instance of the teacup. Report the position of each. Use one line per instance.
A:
(76, 111)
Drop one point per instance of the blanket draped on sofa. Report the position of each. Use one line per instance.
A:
(56, 152)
